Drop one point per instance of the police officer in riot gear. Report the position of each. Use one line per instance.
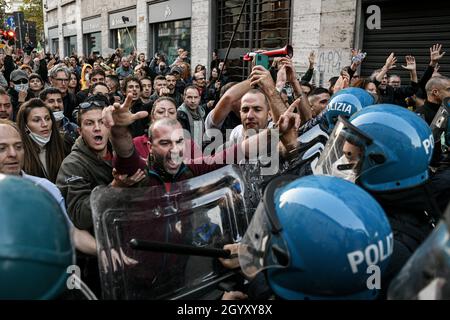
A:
(441, 162)
(315, 237)
(37, 255)
(387, 150)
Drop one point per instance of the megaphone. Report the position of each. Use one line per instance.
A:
(286, 51)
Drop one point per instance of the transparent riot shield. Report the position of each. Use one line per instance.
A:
(205, 212)
(426, 275)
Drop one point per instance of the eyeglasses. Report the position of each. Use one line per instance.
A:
(21, 81)
(62, 80)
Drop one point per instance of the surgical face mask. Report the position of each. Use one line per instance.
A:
(40, 140)
(86, 77)
(336, 171)
(59, 115)
(21, 87)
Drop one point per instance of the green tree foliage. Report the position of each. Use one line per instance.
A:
(33, 11)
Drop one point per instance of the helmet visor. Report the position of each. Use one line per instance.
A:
(440, 123)
(262, 247)
(344, 153)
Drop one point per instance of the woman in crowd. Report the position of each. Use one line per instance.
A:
(370, 87)
(200, 68)
(36, 85)
(44, 149)
(186, 74)
(85, 73)
(74, 83)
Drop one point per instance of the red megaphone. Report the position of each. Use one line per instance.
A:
(286, 51)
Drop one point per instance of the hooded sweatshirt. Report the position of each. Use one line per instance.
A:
(81, 171)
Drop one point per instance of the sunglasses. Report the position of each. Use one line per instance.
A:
(88, 105)
(21, 81)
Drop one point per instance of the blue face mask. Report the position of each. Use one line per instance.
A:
(21, 87)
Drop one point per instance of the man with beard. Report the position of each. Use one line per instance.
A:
(255, 114)
(191, 115)
(171, 80)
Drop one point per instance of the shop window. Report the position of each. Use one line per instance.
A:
(172, 35)
(122, 39)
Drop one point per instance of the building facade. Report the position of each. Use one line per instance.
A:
(330, 28)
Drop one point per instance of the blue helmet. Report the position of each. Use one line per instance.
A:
(344, 105)
(35, 244)
(364, 97)
(317, 237)
(383, 147)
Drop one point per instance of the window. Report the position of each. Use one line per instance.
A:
(70, 45)
(121, 39)
(55, 45)
(265, 24)
(93, 42)
(172, 35)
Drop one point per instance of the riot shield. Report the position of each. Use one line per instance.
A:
(207, 211)
(426, 275)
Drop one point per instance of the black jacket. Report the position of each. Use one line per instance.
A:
(70, 103)
(428, 111)
(410, 214)
(15, 100)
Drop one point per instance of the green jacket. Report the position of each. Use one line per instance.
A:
(81, 171)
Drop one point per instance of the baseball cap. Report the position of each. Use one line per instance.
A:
(18, 75)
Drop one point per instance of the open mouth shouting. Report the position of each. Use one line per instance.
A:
(98, 140)
(174, 160)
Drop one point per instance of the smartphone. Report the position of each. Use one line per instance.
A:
(262, 60)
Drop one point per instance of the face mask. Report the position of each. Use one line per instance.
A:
(348, 175)
(40, 140)
(86, 77)
(21, 87)
(59, 115)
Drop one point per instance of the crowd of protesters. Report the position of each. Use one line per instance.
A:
(89, 121)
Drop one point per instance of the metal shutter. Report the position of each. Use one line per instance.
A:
(407, 27)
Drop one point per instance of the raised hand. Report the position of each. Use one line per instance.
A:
(410, 63)
(436, 54)
(312, 59)
(343, 82)
(260, 77)
(121, 115)
(288, 120)
(291, 74)
(357, 58)
(26, 59)
(390, 62)
(8, 50)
